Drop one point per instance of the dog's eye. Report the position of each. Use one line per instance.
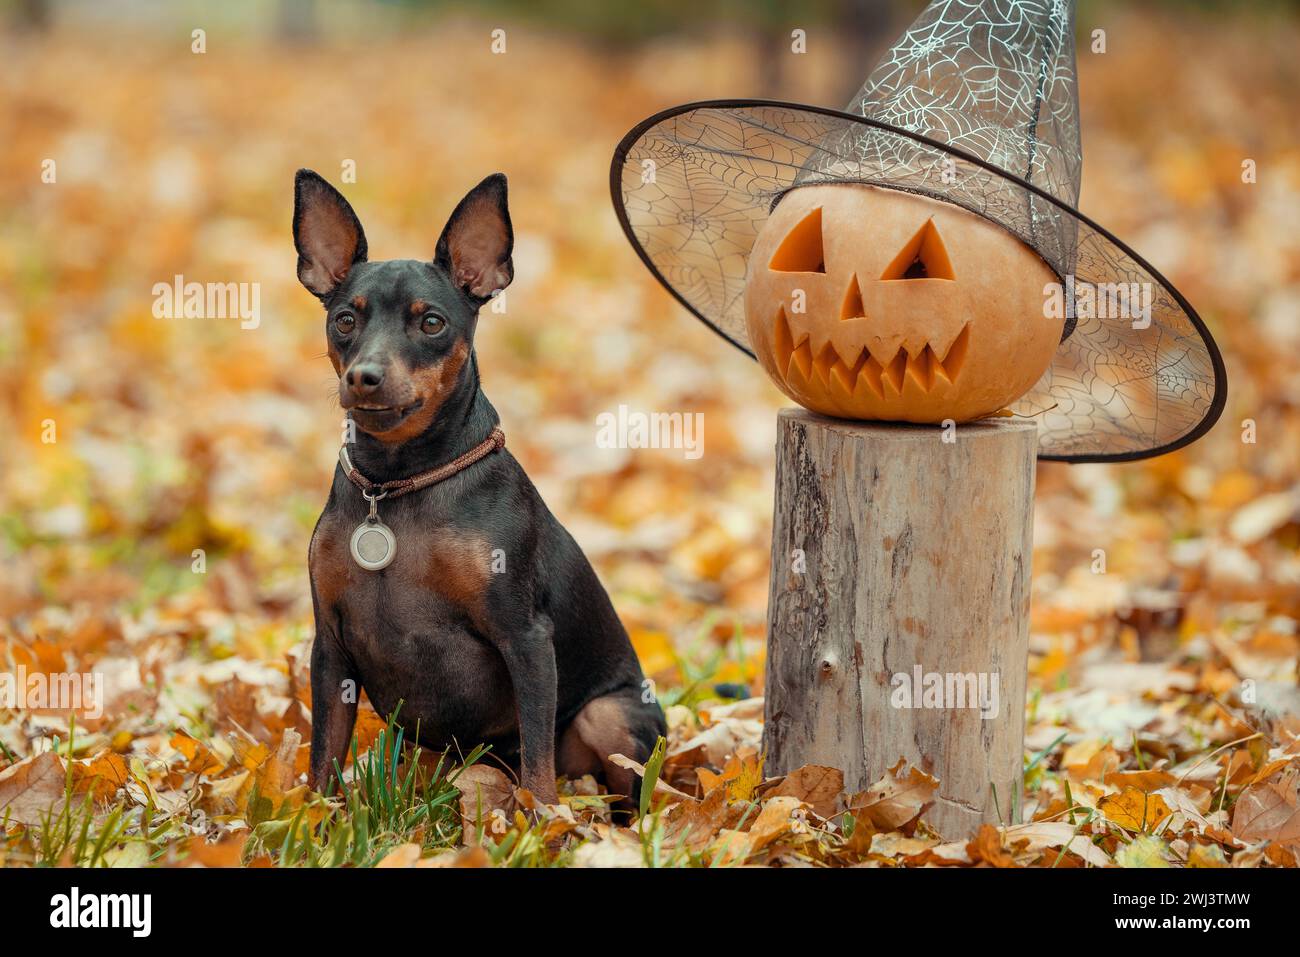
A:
(432, 324)
(344, 322)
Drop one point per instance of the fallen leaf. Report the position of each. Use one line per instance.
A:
(475, 856)
(987, 847)
(1269, 811)
(33, 788)
(1142, 780)
(662, 787)
(227, 852)
(716, 743)
(697, 823)
(403, 855)
(1040, 835)
(815, 785)
(897, 844)
(896, 798)
(103, 775)
(742, 774)
(730, 847)
(773, 821)
(1134, 809)
(746, 710)
(617, 850)
(1146, 850)
(483, 789)
(1206, 855)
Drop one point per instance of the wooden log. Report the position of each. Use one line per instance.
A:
(901, 564)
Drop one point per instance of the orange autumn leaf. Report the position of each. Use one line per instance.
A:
(1135, 809)
(818, 786)
(742, 773)
(227, 852)
(199, 757)
(897, 798)
(1269, 811)
(986, 847)
(102, 775)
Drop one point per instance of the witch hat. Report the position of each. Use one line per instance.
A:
(975, 105)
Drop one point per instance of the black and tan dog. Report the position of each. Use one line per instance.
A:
(488, 625)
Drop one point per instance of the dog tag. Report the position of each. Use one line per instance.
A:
(374, 546)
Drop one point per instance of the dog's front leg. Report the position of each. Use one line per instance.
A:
(530, 659)
(334, 693)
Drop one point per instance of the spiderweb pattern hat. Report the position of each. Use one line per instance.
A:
(976, 105)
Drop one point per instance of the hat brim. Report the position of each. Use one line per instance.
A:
(693, 185)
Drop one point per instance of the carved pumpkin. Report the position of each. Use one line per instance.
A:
(872, 303)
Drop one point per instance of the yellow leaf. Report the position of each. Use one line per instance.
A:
(1134, 809)
(750, 777)
(1206, 855)
(742, 773)
(1144, 851)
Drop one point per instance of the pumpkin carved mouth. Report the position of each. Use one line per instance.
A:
(878, 372)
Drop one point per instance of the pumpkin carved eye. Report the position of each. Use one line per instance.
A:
(924, 257)
(801, 250)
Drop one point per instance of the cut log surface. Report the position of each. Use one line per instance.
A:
(898, 615)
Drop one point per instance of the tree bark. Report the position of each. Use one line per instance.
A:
(898, 556)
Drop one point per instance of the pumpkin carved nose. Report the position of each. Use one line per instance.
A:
(853, 307)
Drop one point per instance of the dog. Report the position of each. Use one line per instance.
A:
(489, 626)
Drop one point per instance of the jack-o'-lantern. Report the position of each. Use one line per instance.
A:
(871, 303)
(892, 260)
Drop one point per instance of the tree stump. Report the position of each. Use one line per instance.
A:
(899, 593)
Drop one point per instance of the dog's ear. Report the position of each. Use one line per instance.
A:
(326, 233)
(477, 241)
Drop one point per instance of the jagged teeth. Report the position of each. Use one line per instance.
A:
(925, 368)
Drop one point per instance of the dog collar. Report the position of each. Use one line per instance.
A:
(392, 489)
(374, 546)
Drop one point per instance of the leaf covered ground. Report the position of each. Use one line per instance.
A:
(160, 539)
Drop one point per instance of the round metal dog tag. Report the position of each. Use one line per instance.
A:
(374, 546)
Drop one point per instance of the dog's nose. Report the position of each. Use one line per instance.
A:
(365, 377)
